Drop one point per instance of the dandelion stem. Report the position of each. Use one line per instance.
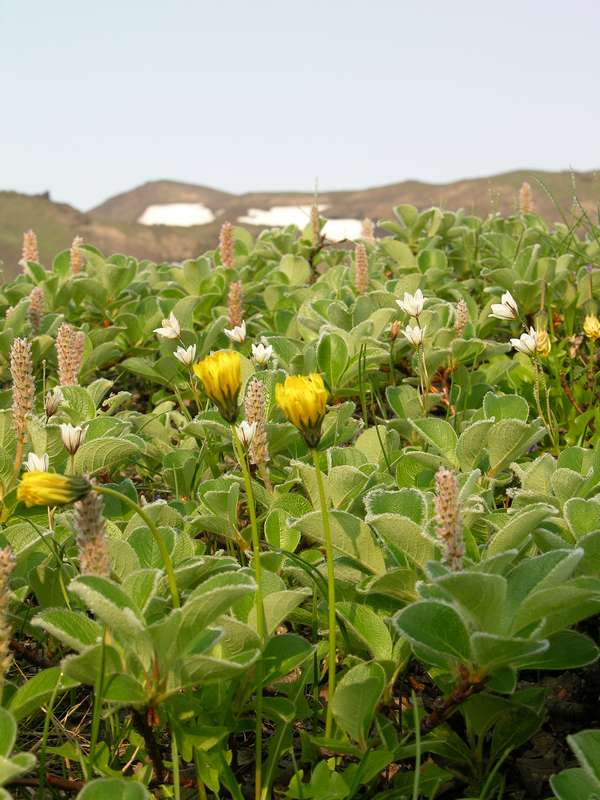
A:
(260, 609)
(158, 538)
(330, 594)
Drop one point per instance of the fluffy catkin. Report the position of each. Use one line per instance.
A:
(7, 564)
(368, 230)
(234, 304)
(315, 226)
(30, 247)
(35, 312)
(254, 406)
(226, 244)
(525, 199)
(91, 536)
(21, 370)
(69, 349)
(448, 518)
(461, 317)
(361, 268)
(77, 260)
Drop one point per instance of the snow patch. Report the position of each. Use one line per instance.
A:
(338, 229)
(181, 214)
(279, 216)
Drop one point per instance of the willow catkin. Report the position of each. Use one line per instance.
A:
(226, 245)
(35, 312)
(7, 564)
(461, 317)
(91, 536)
(23, 389)
(368, 230)
(525, 198)
(255, 408)
(30, 247)
(69, 350)
(361, 268)
(234, 304)
(77, 260)
(449, 523)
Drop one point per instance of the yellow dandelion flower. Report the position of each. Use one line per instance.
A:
(50, 489)
(303, 399)
(221, 375)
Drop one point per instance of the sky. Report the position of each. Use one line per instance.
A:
(253, 95)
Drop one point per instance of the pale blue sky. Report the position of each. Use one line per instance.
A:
(97, 97)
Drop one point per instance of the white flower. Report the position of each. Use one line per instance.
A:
(187, 355)
(237, 334)
(37, 463)
(170, 327)
(412, 303)
(506, 309)
(526, 343)
(72, 437)
(246, 432)
(262, 353)
(414, 335)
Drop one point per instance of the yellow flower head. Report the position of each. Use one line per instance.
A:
(221, 375)
(50, 489)
(303, 398)
(591, 327)
(542, 343)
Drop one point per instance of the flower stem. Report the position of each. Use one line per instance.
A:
(260, 609)
(330, 595)
(158, 538)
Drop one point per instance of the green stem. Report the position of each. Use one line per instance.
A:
(260, 609)
(330, 595)
(158, 538)
(98, 692)
(175, 761)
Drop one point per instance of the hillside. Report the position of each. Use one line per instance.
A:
(114, 225)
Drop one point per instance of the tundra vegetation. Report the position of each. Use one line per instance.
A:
(294, 520)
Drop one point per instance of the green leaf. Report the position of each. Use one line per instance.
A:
(508, 406)
(567, 650)
(440, 435)
(508, 440)
(8, 732)
(38, 690)
(332, 358)
(582, 516)
(356, 698)
(586, 746)
(114, 789)
(517, 529)
(437, 632)
(73, 629)
(481, 596)
(105, 453)
(491, 651)
(349, 534)
(366, 626)
(574, 784)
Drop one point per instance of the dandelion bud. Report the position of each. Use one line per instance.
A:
(7, 564)
(461, 317)
(449, 522)
(361, 270)
(255, 408)
(542, 344)
(30, 247)
(91, 536)
(591, 327)
(368, 230)
(36, 308)
(72, 437)
(234, 304)
(77, 260)
(394, 330)
(69, 349)
(525, 198)
(52, 402)
(51, 489)
(303, 400)
(226, 245)
(21, 370)
(221, 375)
